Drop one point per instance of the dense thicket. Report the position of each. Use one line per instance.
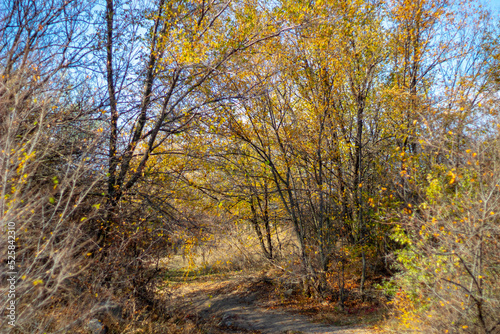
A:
(369, 128)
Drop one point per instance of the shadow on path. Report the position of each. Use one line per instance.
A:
(235, 310)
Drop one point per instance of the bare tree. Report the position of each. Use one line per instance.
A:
(48, 137)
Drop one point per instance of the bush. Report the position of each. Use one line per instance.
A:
(452, 260)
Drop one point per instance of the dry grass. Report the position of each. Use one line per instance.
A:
(236, 254)
(228, 261)
(229, 248)
(289, 296)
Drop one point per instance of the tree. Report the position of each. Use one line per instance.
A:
(452, 177)
(48, 135)
(188, 45)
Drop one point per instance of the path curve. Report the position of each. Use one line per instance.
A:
(237, 310)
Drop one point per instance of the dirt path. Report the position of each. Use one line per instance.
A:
(236, 308)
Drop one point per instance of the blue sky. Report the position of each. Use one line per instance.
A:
(494, 4)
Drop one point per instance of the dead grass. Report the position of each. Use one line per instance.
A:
(233, 264)
(277, 294)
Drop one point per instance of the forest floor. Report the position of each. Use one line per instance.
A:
(252, 302)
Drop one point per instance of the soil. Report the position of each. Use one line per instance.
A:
(238, 304)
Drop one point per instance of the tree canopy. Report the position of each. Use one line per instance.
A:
(367, 128)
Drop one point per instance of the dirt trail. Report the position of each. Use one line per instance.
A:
(236, 309)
